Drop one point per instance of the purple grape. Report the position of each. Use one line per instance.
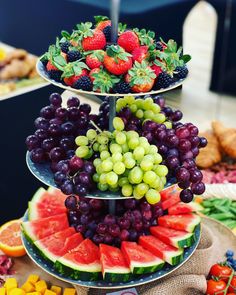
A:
(163, 149)
(84, 219)
(131, 127)
(198, 188)
(56, 154)
(88, 234)
(74, 220)
(41, 123)
(73, 102)
(81, 190)
(189, 163)
(160, 135)
(184, 145)
(188, 155)
(72, 213)
(71, 203)
(109, 219)
(184, 184)
(102, 228)
(125, 112)
(172, 141)
(68, 128)
(133, 235)
(59, 177)
(203, 141)
(48, 144)
(67, 187)
(93, 117)
(53, 167)
(172, 162)
(41, 134)
(168, 111)
(84, 178)
(56, 121)
(186, 195)
(55, 99)
(54, 130)
(182, 174)
(195, 175)
(61, 113)
(67, 143)
(195, 152)
(70, 154)
(85, 108)
(157, 212)
(37, 155)
(137, 215)
(182, 132)
(92, 225)
(108, 239)
(75, 164)
(84, 206)
(147, 224)
(149, 125)
(193, 130)
(161, 127)
(124, 223)
(148, 135)
(159, 100)
(138, 225)
(147, 215)
(134, 121)
(145, 206)
(82, 122)
(170, 132)
(124, 235)
(130, 203)
(114, 230)
(98, 239)
(81, 228)
(176, 116)
(89, 168)
(96, 204)
(32, 142)
(173, 152)
(176, 125)
(73, 113)
(194, 141)
(47, 112)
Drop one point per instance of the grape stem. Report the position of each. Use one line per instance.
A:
(95, 126)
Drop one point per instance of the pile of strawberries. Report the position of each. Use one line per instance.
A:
(88, 60)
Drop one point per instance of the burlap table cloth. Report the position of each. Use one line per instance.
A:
(189, 279)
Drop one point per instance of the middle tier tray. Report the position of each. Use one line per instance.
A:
(43, 173)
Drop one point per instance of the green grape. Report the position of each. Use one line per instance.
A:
(128, 155)
(156, 184)
(163, 179)
(133, 108)
(149, 115)
(103, 147)
(136, 194)
(112, 178)
(120, 138)
(125, 147)
(89, 155)
(149, 157)
(142, 188)
(161, 170)
(96, 177)
(143, 139)
(153, 196)
(146, 165)
(115, 148)
(133, 143)
(118, 124)
(91, 134)
(149, 177)
(129, 163)
(148, 102)
(138, 153)
(113, 189)
(102, 178)
(157, 158)
(123, 180)
(145, 145)
(107, 165)
(120, 104)
(153, 149)
(131, 134)
(139, 114)
(126, 173)
(139, 103)
(102, 139)
(102, 187)
(81, 140)
(82, 151)
(117, 157)
(97, 162)
(96, 146)
(130, 99)
(155, 108)
(160, 118)
(136, 175)
(168, 124)
(99, 169)
(119, 168)
(104, 155)
(127, 190)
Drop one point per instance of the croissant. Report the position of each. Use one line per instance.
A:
(226, 137)
(209, 155)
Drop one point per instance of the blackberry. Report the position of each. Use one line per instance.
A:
(83, 83)
(55, 75)
(159, 46)
(122, 87)
(181, 72)
(163, 81)
(107, 33)
(73, 55)
(65, 46)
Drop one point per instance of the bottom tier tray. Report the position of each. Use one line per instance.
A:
(139, 280)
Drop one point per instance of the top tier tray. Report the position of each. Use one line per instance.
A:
(41, 71)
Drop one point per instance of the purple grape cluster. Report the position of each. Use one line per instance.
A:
(132, 219)
(178, 146)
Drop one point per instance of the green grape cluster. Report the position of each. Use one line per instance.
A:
(127, 162)
(144, 109)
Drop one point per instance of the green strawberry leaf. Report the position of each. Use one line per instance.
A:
(65, 34)
(121, 27)
(104, 81)
(186, 58)
(100, 18)
(141, 74)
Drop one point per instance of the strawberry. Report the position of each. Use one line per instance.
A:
(140, 53)
(140, 77)
(93, 71)
(103, 81)
(73, 71)
(116, 60)
(157, 69)
(95, 59)
(50, 67)
(102, 22)
(128, 40)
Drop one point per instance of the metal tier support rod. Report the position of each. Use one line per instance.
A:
(112, 114)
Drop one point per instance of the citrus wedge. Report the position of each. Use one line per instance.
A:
(10, 239)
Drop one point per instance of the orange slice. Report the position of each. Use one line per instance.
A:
(10, 239)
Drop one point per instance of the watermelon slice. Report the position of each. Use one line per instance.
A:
(187, 222)
(44, 227)
(140, 260)
(170, 196)
(166, 252)
(58, 244)
(184, 208)
(114, 266)
(176, 238)
(46, 203)
(83, 263)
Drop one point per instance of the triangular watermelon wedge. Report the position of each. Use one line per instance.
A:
(184, 208)
(170, 196)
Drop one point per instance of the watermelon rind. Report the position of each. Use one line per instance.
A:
(43, 251)
(77, 271)
(32, 212)
(195, 222)
(117, 277)
(185, 241)
(174, 258)
(37, 195)
(27, 231)
(145, 268)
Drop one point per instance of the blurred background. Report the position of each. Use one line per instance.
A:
(207, 30)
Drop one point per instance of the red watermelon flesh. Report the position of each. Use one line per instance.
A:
(44, 227)
(184, 208)
(186, 222)
(170, 196)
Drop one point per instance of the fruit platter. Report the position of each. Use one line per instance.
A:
(88, 61)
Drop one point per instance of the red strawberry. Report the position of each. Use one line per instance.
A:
(96, 41)
(157, 69)
(128, 40)
(140, 53)
(102, 22)
(51, 67)
(71, 80)
(116, 60)
(95, 59)
(93, 71)
(140, 77)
